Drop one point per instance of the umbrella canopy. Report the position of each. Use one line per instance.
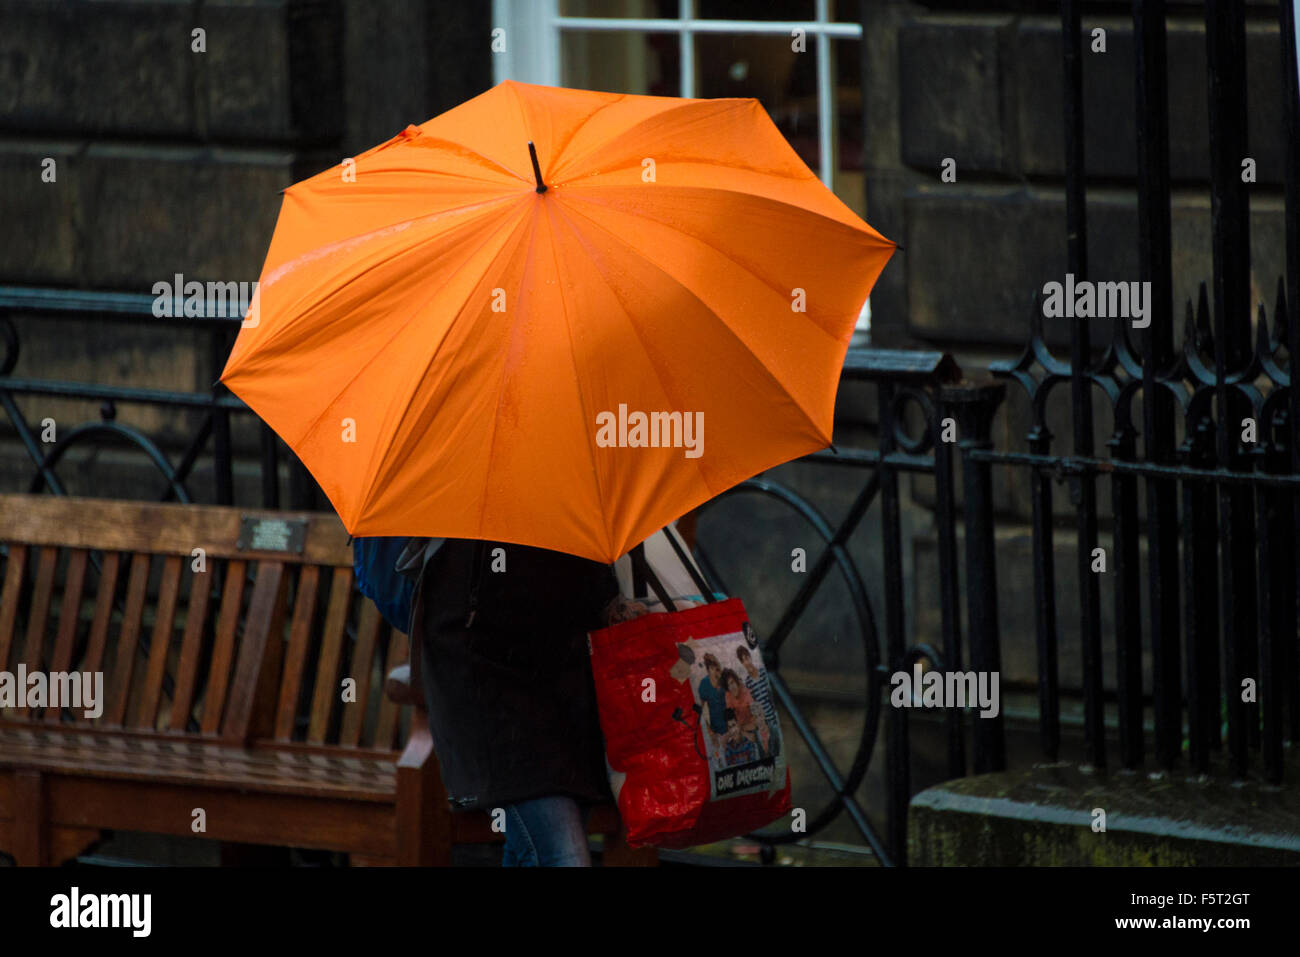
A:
(457, 342)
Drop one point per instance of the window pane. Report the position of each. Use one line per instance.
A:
(655, 9)
(846, 11)
(622, 61)
(765, 67)
(846, 176)
(755, 9)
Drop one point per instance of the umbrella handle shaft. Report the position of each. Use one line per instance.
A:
(537, 170)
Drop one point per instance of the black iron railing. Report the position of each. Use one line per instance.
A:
(218, 323)
(1227, 652)
(926, 379)
(929, 381)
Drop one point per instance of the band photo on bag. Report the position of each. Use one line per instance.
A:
(738, 723)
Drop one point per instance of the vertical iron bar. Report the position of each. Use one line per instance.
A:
(1225, 29)
(1094, 732)
(1128, 602)
(897, 754)
(1049, 693)
(222, 467)
(1157, 344)
(1201, 553)
(949, 582)
(270, 468)
(302, 487)
(975, 406)
(1200, 573)
(1291, 308)
(1270, 649)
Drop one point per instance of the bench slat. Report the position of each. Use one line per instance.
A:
(257, 672)
(190, 762)
(69, 618)
(187, 666)
(223, 652)
(164, 623)
(386, 726)
(128, 641)
(326, 691)
(304, 616)
(161, 528)
(264, 670)
(110, 567)
(363, 660)
(38, 616)
(15, 571)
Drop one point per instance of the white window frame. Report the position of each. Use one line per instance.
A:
(532, 55)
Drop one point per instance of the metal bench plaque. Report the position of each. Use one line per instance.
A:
(272, 534)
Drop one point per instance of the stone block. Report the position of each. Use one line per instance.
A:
(41, 219)
(885, 190)
(976, 255)
(1110, 138)
(122, 67)
(153, 212)
(274, 70)
(1043, 817)
(951, 94)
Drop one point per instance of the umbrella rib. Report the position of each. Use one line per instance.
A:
(744, 345)
(496, 413)
(687, 104)
(461, 146)
(641, 341)
(637, 332)
(558, 158)
(687, 188)
(362, 368)
(456, 317)
(300, 314)
(573, 355)
(731, 259)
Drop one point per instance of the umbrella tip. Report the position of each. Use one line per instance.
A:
(537, 170)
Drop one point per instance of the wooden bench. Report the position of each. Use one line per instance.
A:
(225, 665)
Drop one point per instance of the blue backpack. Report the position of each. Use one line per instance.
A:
(374, 561)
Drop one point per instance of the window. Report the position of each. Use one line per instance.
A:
(709, 48)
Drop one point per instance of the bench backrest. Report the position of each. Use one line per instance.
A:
(195, 631)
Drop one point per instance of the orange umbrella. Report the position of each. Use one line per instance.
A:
(567, 349)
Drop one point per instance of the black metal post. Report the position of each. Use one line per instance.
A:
(1094, 731)
(897, 751)
(945, 518)
(975, 406)
(1290, 309)
(270, 468)
(1225, 29)
(222, 466)
(1157, 344)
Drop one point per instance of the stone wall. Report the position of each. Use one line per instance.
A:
(981, 83)
(169, 160)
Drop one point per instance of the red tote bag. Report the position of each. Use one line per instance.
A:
(692, 742)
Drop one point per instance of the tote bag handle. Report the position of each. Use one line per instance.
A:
(643, 574)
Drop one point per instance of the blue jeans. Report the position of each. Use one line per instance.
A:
(546, 832)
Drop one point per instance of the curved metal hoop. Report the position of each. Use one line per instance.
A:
(870, 641)
(92, 431)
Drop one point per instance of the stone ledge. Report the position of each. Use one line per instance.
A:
(1043, 816)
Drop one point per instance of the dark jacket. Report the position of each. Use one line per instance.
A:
(511, 703)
